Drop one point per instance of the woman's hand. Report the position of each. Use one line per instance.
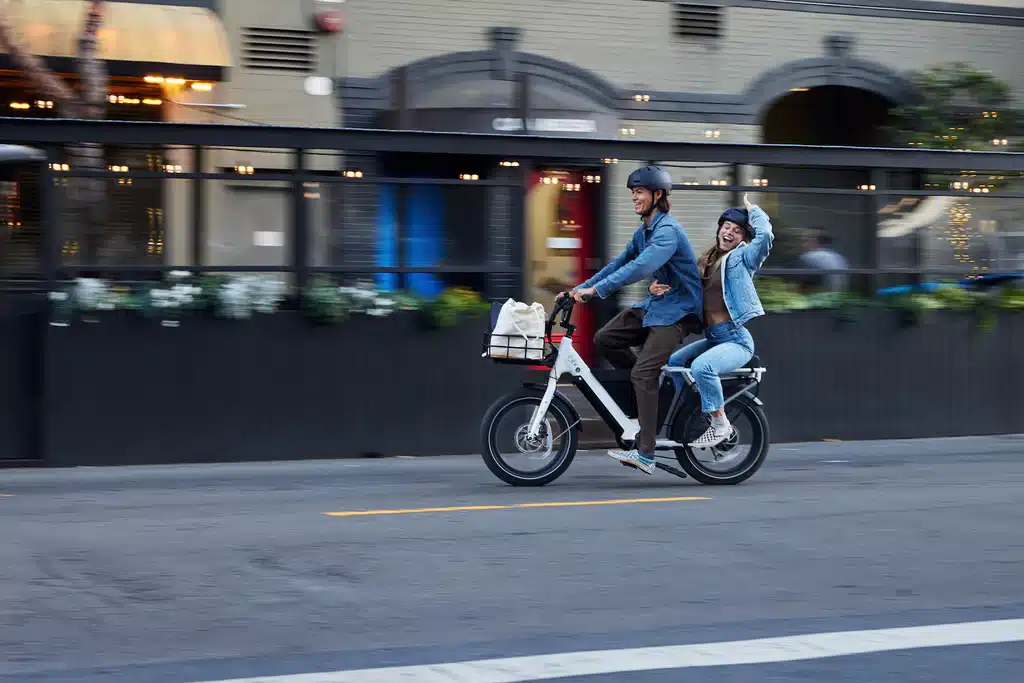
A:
(657, 289)
(746, 202)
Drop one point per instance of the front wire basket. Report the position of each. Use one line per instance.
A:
(516, 349)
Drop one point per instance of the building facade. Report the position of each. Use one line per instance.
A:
(772, 71)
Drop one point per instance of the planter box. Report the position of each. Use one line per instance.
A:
(128, 391)
(125, 391)
(876, 379)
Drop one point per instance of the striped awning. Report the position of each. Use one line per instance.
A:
(131, 32)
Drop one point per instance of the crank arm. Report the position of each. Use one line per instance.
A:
(671, 470)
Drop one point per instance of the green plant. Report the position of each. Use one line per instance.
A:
(960, 108)
(323, 301)
(453, 304)
(1012, 299)
(777, 295)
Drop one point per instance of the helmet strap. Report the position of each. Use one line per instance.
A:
(650, 210)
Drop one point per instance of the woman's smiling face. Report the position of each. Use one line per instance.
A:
(730, 236)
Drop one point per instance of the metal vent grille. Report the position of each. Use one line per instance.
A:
(278, 49)
(697, 21)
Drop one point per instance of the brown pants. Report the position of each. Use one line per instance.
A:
(614, 340)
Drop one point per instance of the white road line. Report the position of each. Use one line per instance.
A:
(760, 651)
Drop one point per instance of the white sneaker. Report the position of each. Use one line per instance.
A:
(713, 436)
(634, 459)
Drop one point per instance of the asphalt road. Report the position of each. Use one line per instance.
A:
(208, 573)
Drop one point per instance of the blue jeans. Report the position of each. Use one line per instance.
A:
(726, 347)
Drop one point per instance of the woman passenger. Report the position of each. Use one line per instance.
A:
(742, 244)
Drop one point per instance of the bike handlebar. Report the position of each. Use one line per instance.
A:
(564, 304)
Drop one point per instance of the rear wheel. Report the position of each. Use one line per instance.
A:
(515, 458)
(734, 460)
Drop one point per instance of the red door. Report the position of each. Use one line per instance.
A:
(560, 241)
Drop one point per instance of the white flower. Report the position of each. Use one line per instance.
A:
(180, 274)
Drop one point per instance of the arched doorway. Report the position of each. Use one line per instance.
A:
(827, 115)
(814, 228)
(831, 102)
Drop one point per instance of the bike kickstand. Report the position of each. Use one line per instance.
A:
(671, 470)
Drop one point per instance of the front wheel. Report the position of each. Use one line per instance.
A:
(515, 458)
(734, 460)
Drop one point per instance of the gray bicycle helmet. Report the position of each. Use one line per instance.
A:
(651, 177)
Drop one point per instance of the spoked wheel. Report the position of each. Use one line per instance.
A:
(734, 460)
(517, 459)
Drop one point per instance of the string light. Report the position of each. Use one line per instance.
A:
(469, 176)
(510, 164)
(245, 170)
(353, 174)
(641, 97)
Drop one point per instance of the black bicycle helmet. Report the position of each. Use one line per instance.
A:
(740, 217)
(651, 177)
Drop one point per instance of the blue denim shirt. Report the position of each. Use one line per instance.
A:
(662, 251)
(739, 267)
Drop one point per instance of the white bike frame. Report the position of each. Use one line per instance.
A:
(569, 362)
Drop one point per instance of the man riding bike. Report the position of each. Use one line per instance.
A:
(659, 248)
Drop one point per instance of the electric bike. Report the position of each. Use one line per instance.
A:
(541, 427)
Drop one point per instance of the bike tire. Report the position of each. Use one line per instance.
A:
(562, 413)
(761, 439)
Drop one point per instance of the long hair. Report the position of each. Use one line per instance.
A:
(710, 259)
(662, 203)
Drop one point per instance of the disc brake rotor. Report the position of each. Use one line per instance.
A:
(537, 448)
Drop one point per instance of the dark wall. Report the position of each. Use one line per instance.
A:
(275, 388)
(20, 366)
(874, 379)
(128, 391)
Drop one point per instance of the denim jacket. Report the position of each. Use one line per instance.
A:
(739, 267)
(662, 251)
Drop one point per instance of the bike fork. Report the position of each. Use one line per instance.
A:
(545, 403)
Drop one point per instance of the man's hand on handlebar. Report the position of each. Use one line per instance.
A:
(584, 295)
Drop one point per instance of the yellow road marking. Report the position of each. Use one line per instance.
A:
(473, 508)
